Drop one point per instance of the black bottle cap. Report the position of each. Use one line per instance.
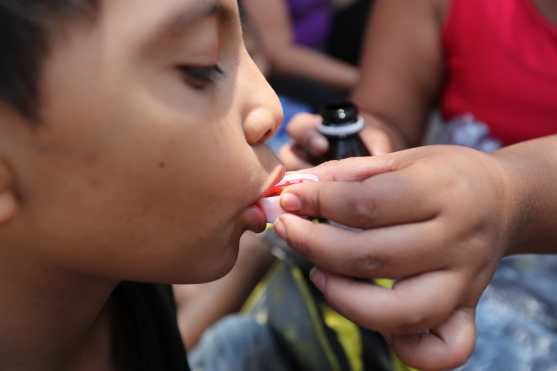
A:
(340, 113)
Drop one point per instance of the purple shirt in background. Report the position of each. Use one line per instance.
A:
(311, 20)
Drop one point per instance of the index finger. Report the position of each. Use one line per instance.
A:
(353, 169)
(394, 198)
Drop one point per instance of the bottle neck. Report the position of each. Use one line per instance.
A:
(342, 130)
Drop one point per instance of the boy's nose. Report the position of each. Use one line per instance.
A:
(264, 113)
(260, 124)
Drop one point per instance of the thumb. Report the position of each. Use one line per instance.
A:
(377, 141)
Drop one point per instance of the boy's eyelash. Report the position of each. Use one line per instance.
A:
(201, 76)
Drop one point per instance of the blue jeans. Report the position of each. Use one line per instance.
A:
(517, 317)
(238, 343)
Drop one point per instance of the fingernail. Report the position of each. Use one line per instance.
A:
(318, 144)
(290, 202)
(318, 278)
(280, 229)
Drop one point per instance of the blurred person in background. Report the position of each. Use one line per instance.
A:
(310, 50)
(294, 38)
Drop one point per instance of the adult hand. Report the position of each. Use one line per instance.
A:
(306, 140)
(436, 219)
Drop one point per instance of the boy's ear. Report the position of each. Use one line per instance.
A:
(8, 201)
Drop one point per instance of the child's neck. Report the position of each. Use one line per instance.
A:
(548, 8)
(51, 320)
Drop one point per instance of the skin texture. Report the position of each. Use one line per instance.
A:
(139, 170)
(436, 218)
(273, 24)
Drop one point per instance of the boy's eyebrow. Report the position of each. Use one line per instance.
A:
(180, 17)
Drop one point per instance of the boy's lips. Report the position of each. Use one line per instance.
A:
(287, 181)
(269, 204)
(267, 209)
(253, 216)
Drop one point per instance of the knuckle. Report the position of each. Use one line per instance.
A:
(369, 265)
(413, 322)
(316, 200)
(370, 268)
(392, 163)
(364, 210)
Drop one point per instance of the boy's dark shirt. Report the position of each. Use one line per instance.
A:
(145, 329)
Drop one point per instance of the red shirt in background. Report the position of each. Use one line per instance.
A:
(501, 67)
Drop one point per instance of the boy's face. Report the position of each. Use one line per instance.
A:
(148, 159)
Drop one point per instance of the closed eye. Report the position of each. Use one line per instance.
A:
(200, 77)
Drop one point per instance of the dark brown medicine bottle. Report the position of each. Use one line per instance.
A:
(341, 126)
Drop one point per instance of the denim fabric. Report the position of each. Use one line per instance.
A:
(238, 343)
(517, 318)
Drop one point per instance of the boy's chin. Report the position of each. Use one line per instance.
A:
(187, 278)
(219, 272)
(212, 270)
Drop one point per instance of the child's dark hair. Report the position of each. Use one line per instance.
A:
(25, 29)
